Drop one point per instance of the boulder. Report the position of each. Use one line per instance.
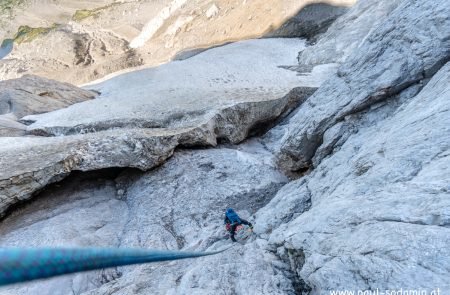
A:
(31, 95)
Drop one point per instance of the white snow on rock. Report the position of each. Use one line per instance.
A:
(140, 118)
(183, 93)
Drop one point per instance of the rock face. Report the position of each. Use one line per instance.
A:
(347, 33)
(394, 56)
(370, 148)
(66, 224)
(33, 95)
(377, 136)
(221, 102)
(379, 203)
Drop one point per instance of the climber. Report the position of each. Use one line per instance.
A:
(232, 220)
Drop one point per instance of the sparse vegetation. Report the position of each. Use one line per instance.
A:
(28, 34)
(85, 13)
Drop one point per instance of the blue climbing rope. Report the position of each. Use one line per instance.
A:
(20, 265)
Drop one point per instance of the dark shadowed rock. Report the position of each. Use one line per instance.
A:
(311, 21)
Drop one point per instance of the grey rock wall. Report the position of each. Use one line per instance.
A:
(347, 33)
(393, 57)
(379, 204)
(370, 150)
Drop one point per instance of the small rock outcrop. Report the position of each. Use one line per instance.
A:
(31, 95)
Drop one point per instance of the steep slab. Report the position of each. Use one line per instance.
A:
(379, 205)
(347, 33)
(408, 48)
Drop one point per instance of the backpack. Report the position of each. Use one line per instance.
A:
(232, 216)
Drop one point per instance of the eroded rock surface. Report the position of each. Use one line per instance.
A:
(177, 206)
(395, 56)
(379, 204)
(371, 211)
(216, 98)
(59, 217)
(347, 33)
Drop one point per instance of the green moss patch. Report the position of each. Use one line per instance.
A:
(28, 34)
(85, 13)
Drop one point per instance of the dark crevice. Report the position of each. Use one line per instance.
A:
(295, 259)
(296, 97)
(62, 180)
(169, 227)
(255, 199)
